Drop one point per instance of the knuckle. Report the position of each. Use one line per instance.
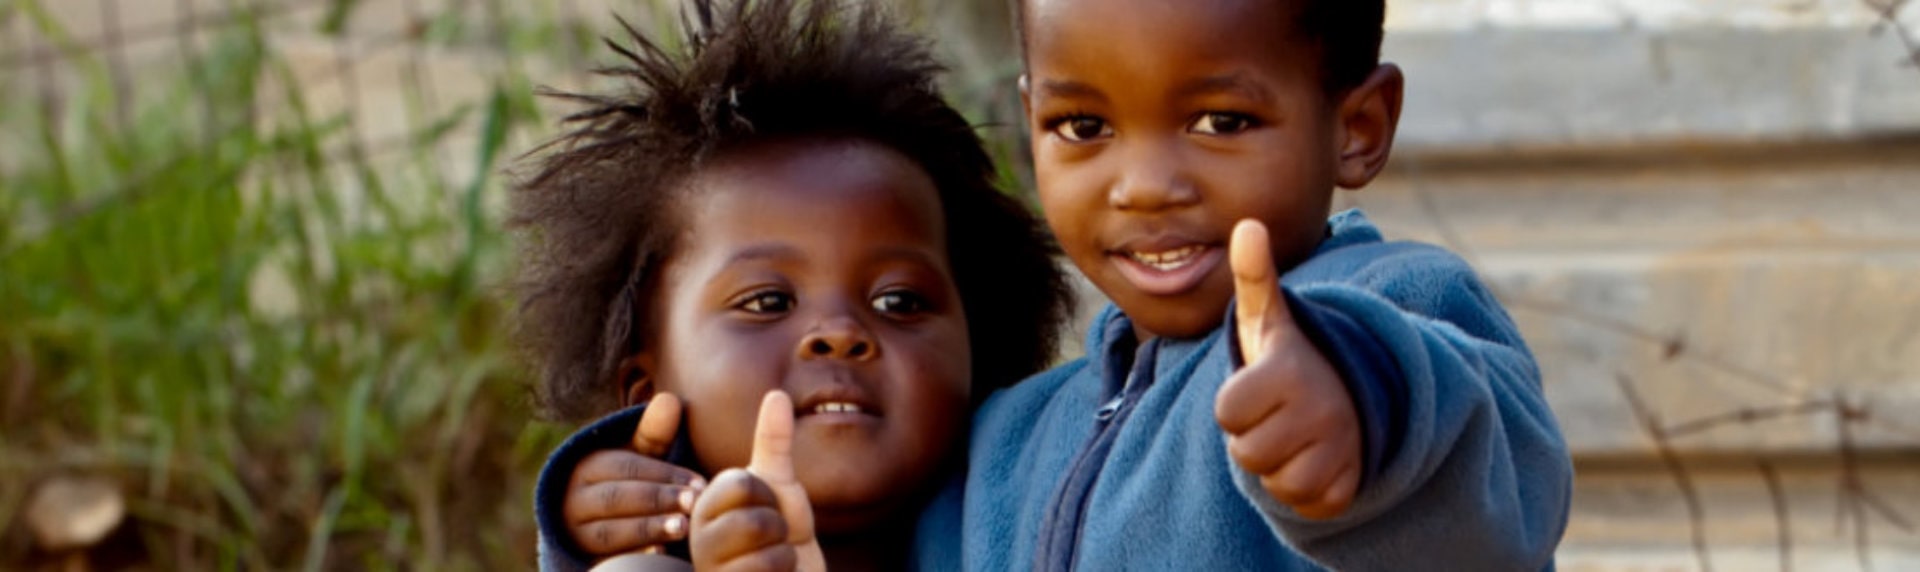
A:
(601, 535)
(633, 467)
(766, 524)
(610, 498)
(663, 500)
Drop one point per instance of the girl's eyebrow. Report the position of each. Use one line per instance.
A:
(902, 254)
(764, 252)
(784, 252)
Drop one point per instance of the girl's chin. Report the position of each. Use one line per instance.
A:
(836, 518)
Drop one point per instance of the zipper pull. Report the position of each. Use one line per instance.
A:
(1111, 407)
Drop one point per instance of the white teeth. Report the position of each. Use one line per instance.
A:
(1167, 260)
(836, 407)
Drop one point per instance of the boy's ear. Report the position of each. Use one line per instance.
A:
(1368, 116)
(1026, 95)
(636, 379)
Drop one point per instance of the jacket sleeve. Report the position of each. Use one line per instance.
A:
(1463, 459)
(558, 551)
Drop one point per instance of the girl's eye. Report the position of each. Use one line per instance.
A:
(769, 302)
(900, 302)
(1081, 128)
(1222, 124)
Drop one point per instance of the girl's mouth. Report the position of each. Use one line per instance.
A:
(838, 407)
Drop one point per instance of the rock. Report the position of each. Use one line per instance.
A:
(69, 513)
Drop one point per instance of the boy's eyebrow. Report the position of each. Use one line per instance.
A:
(1069, 88)
(1235, 83)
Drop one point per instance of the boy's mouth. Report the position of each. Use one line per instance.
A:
(1170, 260)
(1167, 269)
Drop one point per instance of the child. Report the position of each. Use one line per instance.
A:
(787, 205)
(1371, 409)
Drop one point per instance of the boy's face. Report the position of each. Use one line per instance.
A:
(818, 267)
(1157, 125)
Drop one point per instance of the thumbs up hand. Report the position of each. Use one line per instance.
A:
(759, 518)
(1287, 414)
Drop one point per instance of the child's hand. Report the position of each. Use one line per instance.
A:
(1287, 414)
(759, 518)
(627, 500)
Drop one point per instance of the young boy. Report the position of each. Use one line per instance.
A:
(1371, 409)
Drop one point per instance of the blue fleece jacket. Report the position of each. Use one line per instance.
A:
(1114, 461)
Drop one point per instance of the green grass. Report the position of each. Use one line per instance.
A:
(290, 355)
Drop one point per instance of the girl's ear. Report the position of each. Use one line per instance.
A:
(636, 379)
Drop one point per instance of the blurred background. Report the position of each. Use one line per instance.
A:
(252, 312)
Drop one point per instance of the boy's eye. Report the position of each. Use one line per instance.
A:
(1222, 124)
(768, 302)
(900, 302)
(1081, 128)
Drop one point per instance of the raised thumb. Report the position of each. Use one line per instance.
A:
(1258, 306)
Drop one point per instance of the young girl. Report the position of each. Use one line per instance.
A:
(786, 206)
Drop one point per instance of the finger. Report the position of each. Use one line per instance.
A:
(1252, 395)
(620, 499)
(778, 557)
(773, 439)
(1268, 446)
(654, 435)
(644, 561)
(732, 490)
(614, 536)
(773, 460)
(1258, 305)
(1338, 499)
(739, 532)
(1306, 478)
(622, 465)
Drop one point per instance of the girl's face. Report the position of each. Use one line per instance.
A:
(818, 267)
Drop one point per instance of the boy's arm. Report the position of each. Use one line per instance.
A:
(1461, 457)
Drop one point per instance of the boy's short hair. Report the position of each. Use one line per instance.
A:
(598, 215)
(1347, 34)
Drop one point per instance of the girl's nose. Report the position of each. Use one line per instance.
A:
(839, 338)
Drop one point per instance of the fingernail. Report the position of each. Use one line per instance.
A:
(686, 501)
(698, 484)
(676, 525)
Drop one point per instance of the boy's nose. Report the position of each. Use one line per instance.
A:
(838, 338)
(1150, 181)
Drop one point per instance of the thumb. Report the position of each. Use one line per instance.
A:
(1258, 306)
(773, 439)
(772, 461)
(657, 426)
